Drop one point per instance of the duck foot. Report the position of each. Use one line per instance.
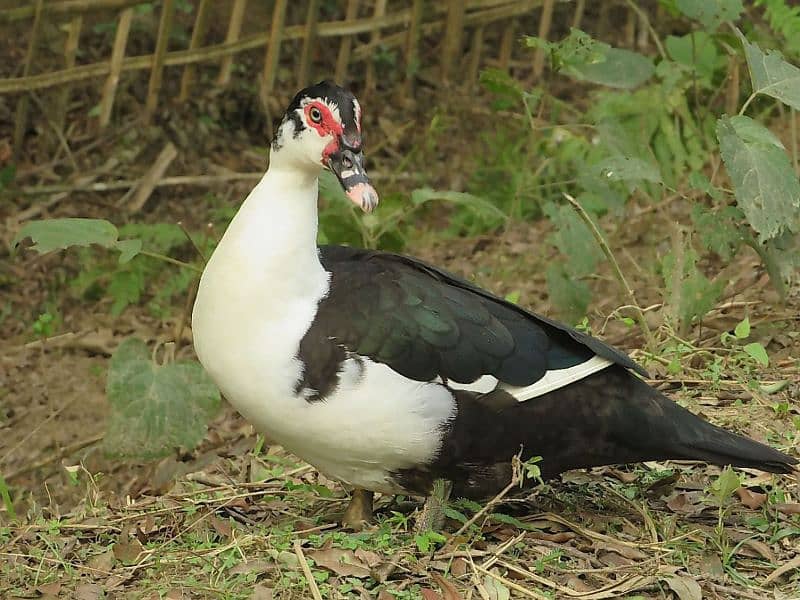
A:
(359, 512)
(432, 516)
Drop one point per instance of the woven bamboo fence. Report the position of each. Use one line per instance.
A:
(361, 27)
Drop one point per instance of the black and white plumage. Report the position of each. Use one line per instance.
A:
(386, 373)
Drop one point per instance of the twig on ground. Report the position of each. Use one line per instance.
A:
(312, 584)
(55, 457)
(152, 177)
(651, 342)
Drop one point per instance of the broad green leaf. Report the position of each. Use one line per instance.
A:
(128, 249)
(627, 168)
(155, 408)
(766, 187)
(690, 294)
(588, 59)
(573, 239)
(757, 351)
(568, 296)
(59, 234)
(742, 329)
(771, 75)
(711, 13)
(726, 484)
(619, 69)
(476, 203)
(696, 50)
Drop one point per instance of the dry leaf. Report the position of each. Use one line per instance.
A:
(88, 591)
(459, 567)
(429, 594)
(127, 550)
(495, 589)
(751, 500)
(448, 589)
(760, 548)
(686, 588)
(788, 508)
(261, 592)
(223, 528)
(340, 561)
(621, 549)
(687, 503)
(783, 569)
(103, 562)
(252, 566)
(49, 590)
(369, 558)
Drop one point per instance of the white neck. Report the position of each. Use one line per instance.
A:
(264, 279)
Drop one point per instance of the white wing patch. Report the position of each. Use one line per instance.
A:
(552, 380)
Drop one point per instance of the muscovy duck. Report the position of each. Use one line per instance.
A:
(387, 373)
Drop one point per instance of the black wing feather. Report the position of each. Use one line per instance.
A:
(424, 322)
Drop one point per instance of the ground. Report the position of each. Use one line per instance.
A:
(239, 518)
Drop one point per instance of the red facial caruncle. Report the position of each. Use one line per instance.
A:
(319, 117)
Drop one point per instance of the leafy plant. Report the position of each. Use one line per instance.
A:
(156, 408)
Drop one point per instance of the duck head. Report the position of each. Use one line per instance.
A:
(322, 129)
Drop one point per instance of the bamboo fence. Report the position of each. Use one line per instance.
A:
(457, 28)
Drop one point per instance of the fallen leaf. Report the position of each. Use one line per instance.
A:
(340, 561)
(429, 594)
(49, 590)
(88, 591)
(449, 590)
(751, 500)
(252, 566)
(621, 549)
(783, 569)
(459, 567)
(760, 548)
(127, 550)
(686, 588)
(369, 558)
(623, 476)
(495, 589)
(102, 562)
(687, 503)
(557, 538)
(223, 528)
(788, 508)
(261, 592)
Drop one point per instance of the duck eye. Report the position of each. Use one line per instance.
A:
(315, 114)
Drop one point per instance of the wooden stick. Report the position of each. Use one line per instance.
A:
(110, 186)
(234, 30)
(475, 56)
(198, 35)
(343, 59)
(21, 120)
(577, 16)
(651, 342)
(507, 45)
(312, 583)
(157, 72)
(375, 39)
(217, 51)
(67, 8)
(309, 43)
(545, 21)
(273, 49)
(153, 175)
(412, 46)
(451, 47)
(117, 56)
(70, 52)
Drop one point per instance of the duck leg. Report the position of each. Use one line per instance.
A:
(359, 511)
(432, 516)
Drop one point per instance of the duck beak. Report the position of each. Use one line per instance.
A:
(348, 166)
